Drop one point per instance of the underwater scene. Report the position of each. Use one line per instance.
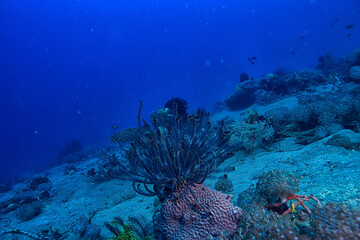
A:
(180, 120)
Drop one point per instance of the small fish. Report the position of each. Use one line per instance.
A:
(292, 52)
(292, 207)
(350, 26)
(331, 25)
(249, 59)
(115, 126)
(302, 37)
(253, 58)
(252, 62)
(348, 35)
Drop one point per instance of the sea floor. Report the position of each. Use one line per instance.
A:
(330, 173)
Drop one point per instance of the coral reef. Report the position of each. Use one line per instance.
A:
(335, 221)
(106, 171)
(273, 190)
(198, 212)
(251, 135)
(135, 228)
(164, 115)
(253, 116)
(328, 64)
(346, 139)
(274, 184)
(281, 83)
(272, 87)
(318, 115)
(26, 201)
(70, 169)
(244, 77)
(172, 155)
(175, 156)
(258, 224)
(224, 184)
(36, 182)
(275, 83)
(266, 211)
(353, 58)
(27, 212)
(178, 106)
(171, 158)
(46, 234)
(332, 221)
(355, 72)
(243, 97)
(84, 229)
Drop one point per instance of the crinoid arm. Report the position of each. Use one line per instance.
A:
(176, 151)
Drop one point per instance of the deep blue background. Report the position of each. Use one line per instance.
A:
(97, 58)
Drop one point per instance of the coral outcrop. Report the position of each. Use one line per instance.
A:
(355, 72)
(198, 212)
(335, 221)
(224, 184)
(251, 135)
(179, 106)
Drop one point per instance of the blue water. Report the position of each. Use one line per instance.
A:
(71, 69)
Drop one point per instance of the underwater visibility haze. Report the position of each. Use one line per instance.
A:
(257, 99)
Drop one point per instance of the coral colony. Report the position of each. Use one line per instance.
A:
(171, 161)
(171, 157)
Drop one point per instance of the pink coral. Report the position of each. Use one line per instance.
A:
(210, 214)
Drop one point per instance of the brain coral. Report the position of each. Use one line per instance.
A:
(183, 218)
